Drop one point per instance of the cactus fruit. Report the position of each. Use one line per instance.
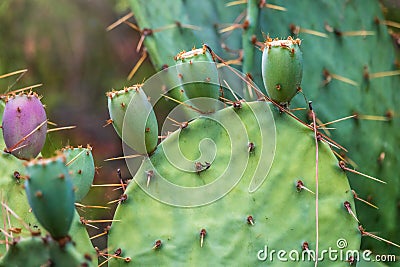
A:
(24, 125)
(277, 214)
(50, 194)
(141, 126)
(81, 167)
(282, 68)
(199, 76)
(38, 251)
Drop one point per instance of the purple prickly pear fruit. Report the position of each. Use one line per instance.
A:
(24, 125)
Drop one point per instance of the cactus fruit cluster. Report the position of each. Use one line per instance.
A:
(249, 166)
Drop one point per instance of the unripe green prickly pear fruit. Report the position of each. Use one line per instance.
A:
(199, 75)
(282, 68)
(81, 167)
(50, 194)
(133, 118)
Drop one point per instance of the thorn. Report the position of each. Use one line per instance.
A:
(347, 206)
(362, 200)
(124, 157)
(250, 220)
(137, 65)
(157, 244)
(74, 158)
(295, 29)
(120, 180)
(108, 122)
(150, 174)
(203, 234)
(79, 205)
(300, 186)
(358, 33)
(338, 120)
(251, 147)
(342, 165)
(25, 88)
(15, 147)
(85, 221)
(120, 200)
(13, 73)
(106, 185)
(371, 117)
(186, 105)
(364, 233)
(120, 21)
(61, 129)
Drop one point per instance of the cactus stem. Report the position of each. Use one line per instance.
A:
(119, 21)
(61, 128)
(300, 186)
(124, 157)
(364, 233)
(203, 234)
(347, 206)
(250, 220)
(362, 200)
(342, 165)
(137, 65)
(157, 244)
(15, 147)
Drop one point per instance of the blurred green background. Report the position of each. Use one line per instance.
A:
(65, 46)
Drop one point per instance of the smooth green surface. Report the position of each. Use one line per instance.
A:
(282, 70)
(80, 164)
(50, 194)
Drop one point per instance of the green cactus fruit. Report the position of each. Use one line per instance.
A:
(199, 76)
(50, 194)
(282, 68)
(81, 167)
(39, 251)
(233, 229)
(140, 123)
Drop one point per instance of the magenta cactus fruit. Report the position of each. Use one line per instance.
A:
(24, 125)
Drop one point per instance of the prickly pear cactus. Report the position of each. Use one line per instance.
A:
(20, 222)
(262, 207)
(344, 74)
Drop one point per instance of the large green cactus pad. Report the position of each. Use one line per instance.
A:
(283, 217)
